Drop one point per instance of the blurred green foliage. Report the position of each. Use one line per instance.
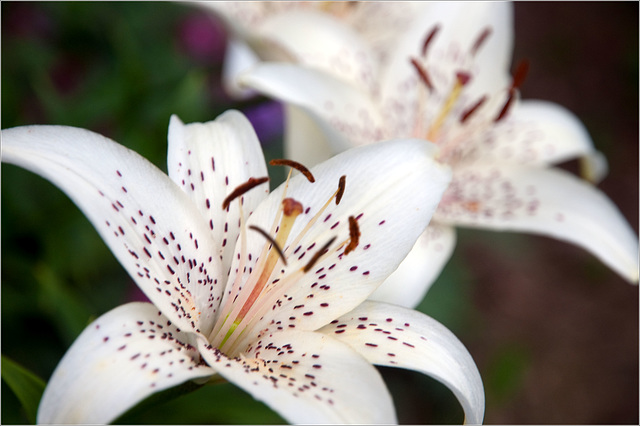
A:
(120, 69)
(25, 385)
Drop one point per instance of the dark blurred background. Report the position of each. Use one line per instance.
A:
(553, 331)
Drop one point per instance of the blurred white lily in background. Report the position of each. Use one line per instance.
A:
(347, 39)
(265, 290)
(446, 79)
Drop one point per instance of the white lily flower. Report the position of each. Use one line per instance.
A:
(342, 38)
(265, 290)
(447, 81)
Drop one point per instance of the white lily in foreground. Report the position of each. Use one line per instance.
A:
(265, 290)
(447, 81)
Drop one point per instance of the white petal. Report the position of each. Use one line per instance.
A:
(382, 23)
(151, 226)
(308, 378)
(544, 201)
(318, 40)
(395, 336)
(208, 161)
(304, 139)
(392, 189)
(408, 285)
(540, 133)
(121, 358)
(238, 58)
(242, 16)
(344, 108)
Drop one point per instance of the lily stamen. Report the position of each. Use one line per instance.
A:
(337, 195)
(253, 288)
(341, 186)
(354, 235)
(273, 242)
(268, 297)
(242, 189)
(317, 255)
(294, 164)
(471, 110)
(522, 69)
(519, 76)
(428, 39)
(480, 41)
(462, 79)
(422, 73)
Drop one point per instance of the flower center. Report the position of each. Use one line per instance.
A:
(448, 116)
(250, 297)
(336, 8)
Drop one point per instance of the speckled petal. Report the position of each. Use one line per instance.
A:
(244, 17)
(308, 377)
(543, 201)
(344, 108)
(381, 23)
(395, 336)
(208, 161)
(149, 224)
(540, 133)
(121, 358)
(318, 40)
(408, 285)
(392, 189)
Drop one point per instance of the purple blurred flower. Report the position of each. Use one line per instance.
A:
(267, 120)
(27, 20)
(202, 38)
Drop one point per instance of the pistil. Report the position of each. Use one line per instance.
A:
(291, 209)
(462, 78)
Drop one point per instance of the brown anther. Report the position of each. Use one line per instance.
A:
(291, 207)
(470, 111)
(299, 167)
(520, 74)
(273, 242)
(480, 40)
(422, 73)
(506, 106)
(242, 189)
(428, 39)
(463, 77)
(317, 255)
(341, 186)
(354, 235)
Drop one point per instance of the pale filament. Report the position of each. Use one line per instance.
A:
(434, 129)
(231, 298)
(239, 303)
(224, 313)
(270, 298)
(266, 287)
(313, 220)
(257, 279)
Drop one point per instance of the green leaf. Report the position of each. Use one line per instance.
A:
(27, 386)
